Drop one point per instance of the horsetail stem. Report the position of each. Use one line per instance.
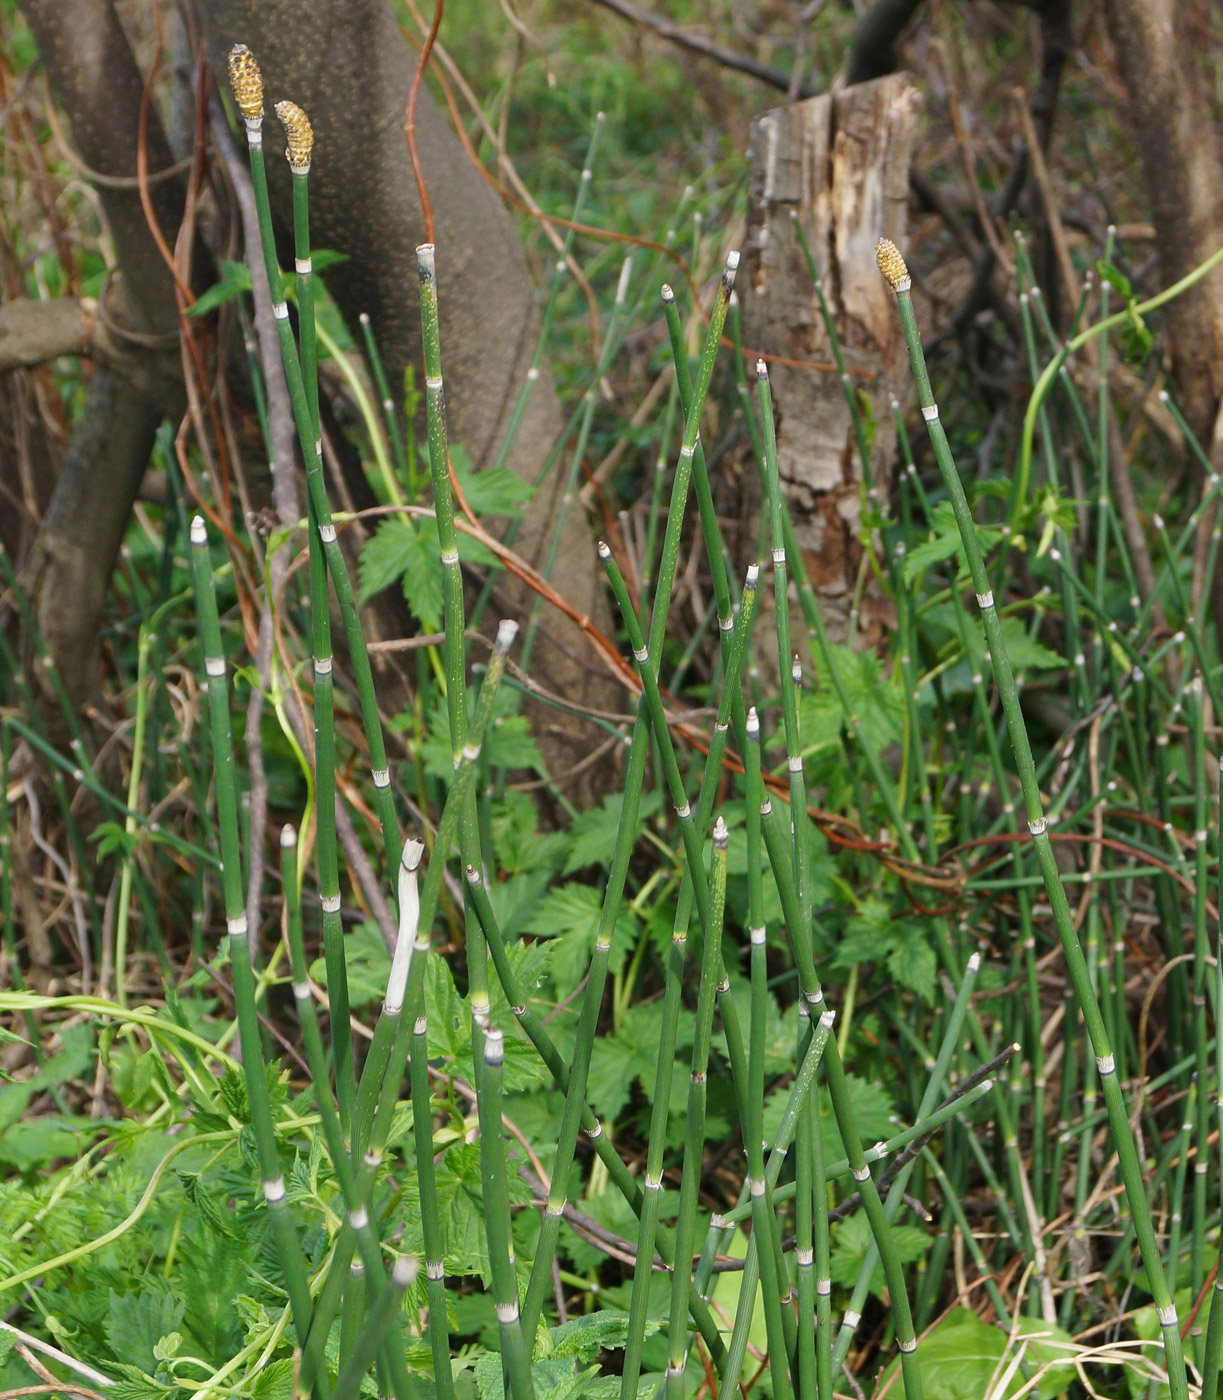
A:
(575, 1097)
(378, 1327)
(371, 1276)
(257, 1094)
(248, 92)
(454, 621)
(893, 268)
(515, 1353)
(685, 1230)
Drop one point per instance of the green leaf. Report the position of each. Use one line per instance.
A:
(135, 1322)
(274, 1381)
(1023, 651)
(594, 831)
(367, 961)
(912, 961)
(570, 914)
(235, 279)
(1115, 278)
(945, 542)
(211, 1276)
(113, 840)
(961, 1356)
(851, 1239)
(494, 491)
(323, 258)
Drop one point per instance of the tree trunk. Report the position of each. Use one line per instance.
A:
(840, 164)
(95, 79)
(348, 66)
(1173, 133)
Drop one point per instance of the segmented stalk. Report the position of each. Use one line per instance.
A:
(225, 780)
(455, 649)
(893, 268)
(247, 84)
(515, 1353)
(541, 1269)
(694, 1139)
(366, 1276)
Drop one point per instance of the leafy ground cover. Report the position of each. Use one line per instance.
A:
(923, 1082)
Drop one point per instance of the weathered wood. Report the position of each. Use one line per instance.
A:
(839, 163)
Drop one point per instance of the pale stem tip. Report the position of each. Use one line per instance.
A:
(507, 630)
(732, 260)
(199, 534)
(364, 318)
(753, 573)
(412, 852)
(473, 875)
(288, 835)
(667, 294)
(404, 1271)
(604, 550)
(719, 832)
(600, 116)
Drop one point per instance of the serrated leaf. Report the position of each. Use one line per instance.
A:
(136, 1322)
(570, 914)
(944, 543)
(232, 1089)
(367, 961)
(594, 831)
(585, 1337)
(274, 1381)
(1023, 651)
(493, 491)
(851, 1239)
(211, 1275)
(113, 840)
(912, 962)
(202, 1199)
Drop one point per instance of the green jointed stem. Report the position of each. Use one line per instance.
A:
(764, 1220)
(248, 90)
(515, 1352)
(357, 1222)
(685, 1230)
(430, 1211)
(892, 266)
(300, 146)
(539, 1037)
(672, 996)
(541, 1269)
(288, 1247)
(379, 1326)
(452, 603)
(399, 1028)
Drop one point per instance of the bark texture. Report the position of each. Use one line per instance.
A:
(839, 163)
(350, 68)
(1172, 131)
(95, 80)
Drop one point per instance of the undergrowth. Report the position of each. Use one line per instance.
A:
(881, 991)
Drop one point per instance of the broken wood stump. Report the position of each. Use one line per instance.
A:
(839, 165)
